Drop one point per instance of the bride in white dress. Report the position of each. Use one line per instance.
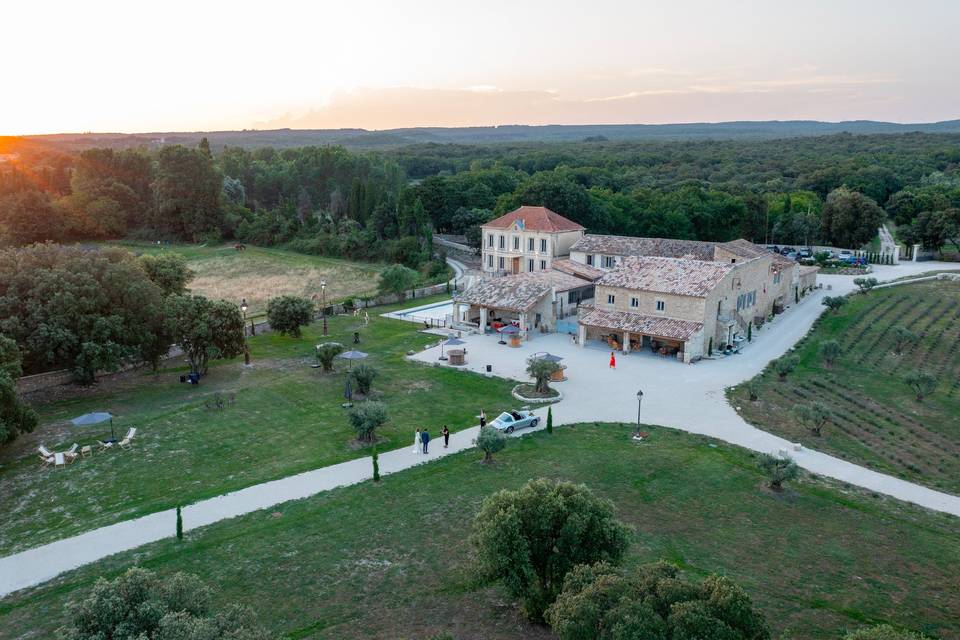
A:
(417, 443)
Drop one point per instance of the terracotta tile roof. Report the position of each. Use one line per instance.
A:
(744, 248)
(576, 269)
(679, 276)
(806, 270)
(519, 292)
(627, 246)
(781, 263)
(671, 328)
(535, 219)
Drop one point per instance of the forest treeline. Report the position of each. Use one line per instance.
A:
(385, 206)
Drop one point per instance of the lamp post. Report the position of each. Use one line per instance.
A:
(323, 303)
(243, 310)
(639, 402)
(246, 347)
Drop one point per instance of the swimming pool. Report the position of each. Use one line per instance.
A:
(433, 313)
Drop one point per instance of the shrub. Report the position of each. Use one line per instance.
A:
(750, 332)
(902, 337)
(784, 365)
(529, 539)
(326, 353)
(490, 441)
(753, 389)
(365, 418)
(882, 632)
(549, 419)
(778, 470)
(814, 416)
(376, 465)
(830, 351)
(922, 382)
(834, 302)
(541, 370)
(287, 314)
(362, 376)
(598, 602)
(141, 604)
(179, 524)
(865, 284)
(398, 279)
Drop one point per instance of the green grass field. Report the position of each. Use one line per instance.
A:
(286, 419)
(259, 274)
(391, 560)
(876, 419)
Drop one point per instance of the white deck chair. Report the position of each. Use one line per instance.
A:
(46, 456)
(127, 442)
(71, 453)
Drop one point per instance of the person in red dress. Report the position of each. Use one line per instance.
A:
(613, 360)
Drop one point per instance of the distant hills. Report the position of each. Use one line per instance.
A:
(362, 138)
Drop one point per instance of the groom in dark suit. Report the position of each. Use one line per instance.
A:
(425, 439)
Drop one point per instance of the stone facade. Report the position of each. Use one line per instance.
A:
(527, 239)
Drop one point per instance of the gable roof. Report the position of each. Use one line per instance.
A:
(629, 246)
(679, 276)
(672, 328)
(577, 269)
(744, 248)
(520, 291)
(535, 219)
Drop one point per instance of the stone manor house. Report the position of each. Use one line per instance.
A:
(677, 298)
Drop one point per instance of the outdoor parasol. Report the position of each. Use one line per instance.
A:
(94, 418)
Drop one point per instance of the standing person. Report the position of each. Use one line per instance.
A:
(366, 318)
(425, 438)
(483, 419)
(416, 442)
(446, 436)
(613, 360)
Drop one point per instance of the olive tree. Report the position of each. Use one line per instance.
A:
(784, 365)
(363, 376)
(287, 314)
(600, 602)
(169, 271)
(865, 284)
(921, 382)
(327, 352)
(366, 418)
(540, 370)
(141, 604)
(490, 441)
(830, 351)
(778, 470)
(903, 337)
(529, 539)
(833, 302)
(813, 416)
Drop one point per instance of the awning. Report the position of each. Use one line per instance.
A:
(670, 328)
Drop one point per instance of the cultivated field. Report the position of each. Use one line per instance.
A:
(392, 560)
(286, 418)
(259, 274)
(876, 420)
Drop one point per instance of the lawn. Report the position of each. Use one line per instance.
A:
(286, 419)
(391, 560)
(258, 274)
(876, 420)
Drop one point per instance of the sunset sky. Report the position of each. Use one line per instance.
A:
(204, 65)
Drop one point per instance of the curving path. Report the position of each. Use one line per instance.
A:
(675, 395)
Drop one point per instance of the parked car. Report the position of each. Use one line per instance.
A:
(792, 255)
(784, 251)
(805, 253)
(508, 421)
(847, 257)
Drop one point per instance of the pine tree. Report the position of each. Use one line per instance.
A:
(180, 520)
(549, 419)
(750, 332)
(376, 466)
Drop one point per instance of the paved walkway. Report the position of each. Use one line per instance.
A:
(689, 397)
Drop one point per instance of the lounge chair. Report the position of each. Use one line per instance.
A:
(127, 442)
(104, 446)
(46, 456)
(71, 453)
(59, 460)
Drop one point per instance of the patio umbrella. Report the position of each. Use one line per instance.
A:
(509, 330)
(549, 357)
(450, 342)
(95, 417)
(352, 355)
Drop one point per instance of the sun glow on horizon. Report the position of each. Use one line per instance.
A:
(109, 66)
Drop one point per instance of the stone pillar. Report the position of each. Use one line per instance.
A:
(456, 312)
(916, 251)
(581, 334)
(626, 342)
(483, 319)
(523, 326)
